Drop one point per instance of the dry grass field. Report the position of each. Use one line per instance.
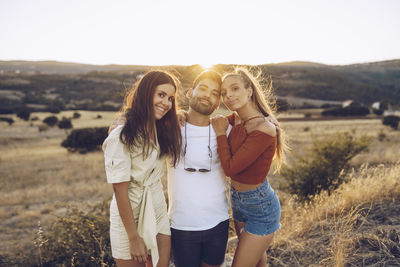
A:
(38, 178)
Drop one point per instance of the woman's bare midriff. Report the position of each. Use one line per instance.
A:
(243, 187)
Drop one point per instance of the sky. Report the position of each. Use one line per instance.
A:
(185, 32)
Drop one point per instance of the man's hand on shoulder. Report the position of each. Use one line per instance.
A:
(121, 120)
(182, 116)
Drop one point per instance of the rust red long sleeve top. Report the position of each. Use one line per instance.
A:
(246, 158)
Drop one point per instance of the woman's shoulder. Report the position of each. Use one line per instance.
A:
(265, 127)
(113, 139)
(115, 133)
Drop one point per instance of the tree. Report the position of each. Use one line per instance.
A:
(10, 121)
(24, 113)
(65, 124)
(56, 106)
(392, 121)
(51, 120)
(76, 115)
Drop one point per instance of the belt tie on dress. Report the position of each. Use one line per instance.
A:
(147, 224)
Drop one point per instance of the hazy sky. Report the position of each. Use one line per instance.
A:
(163, 32)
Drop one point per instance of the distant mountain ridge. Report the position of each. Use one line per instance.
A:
(56, 67)
(88, 86)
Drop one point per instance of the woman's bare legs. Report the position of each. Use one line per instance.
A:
(203, 264)
(164, 250)
(251, 248)
(128, 263)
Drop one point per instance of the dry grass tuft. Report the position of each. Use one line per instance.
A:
(330, 226)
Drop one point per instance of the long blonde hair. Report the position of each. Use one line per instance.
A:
(264, 100)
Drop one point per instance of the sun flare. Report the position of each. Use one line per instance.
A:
(207, 65)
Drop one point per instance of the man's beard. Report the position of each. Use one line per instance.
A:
(202, 108)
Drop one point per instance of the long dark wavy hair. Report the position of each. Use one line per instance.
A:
(141, 124)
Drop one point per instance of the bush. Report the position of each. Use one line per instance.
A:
(55, 106)
(377, 111)
(347, 111)
(24, 113)
(77, 239)
(322, 168)
(392, 121)
(10, 121)
(86, 139)
(43, 128)
(76, 115)
(382, 136)
(51, 120)
(65, 124)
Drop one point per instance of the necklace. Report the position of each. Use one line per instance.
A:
(252, 117)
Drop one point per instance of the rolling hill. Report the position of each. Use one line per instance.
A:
(82, 86)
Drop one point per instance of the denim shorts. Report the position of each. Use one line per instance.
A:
(190, 248)
(258, 208)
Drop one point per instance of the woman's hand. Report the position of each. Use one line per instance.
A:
(182, 116)
(220, 124)
(138, 249)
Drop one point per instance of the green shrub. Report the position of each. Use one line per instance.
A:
(65, 124)
(382, 136)
(10, 121)
(78, 239)
(323, 166)
(86, 139)
(24, 113)
(377, 111)
(76, 115)
(51, 120)
(392, 121)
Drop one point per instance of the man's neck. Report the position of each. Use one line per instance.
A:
(198, 119)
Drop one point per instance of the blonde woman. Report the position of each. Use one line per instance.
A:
(246, 156)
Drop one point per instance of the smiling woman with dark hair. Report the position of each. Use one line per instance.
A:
(135, 163)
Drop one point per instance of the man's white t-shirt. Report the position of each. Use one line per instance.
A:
(197, 200)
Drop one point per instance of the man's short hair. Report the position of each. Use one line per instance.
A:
(208, 74)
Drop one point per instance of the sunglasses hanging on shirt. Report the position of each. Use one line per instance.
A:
(189, 169)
